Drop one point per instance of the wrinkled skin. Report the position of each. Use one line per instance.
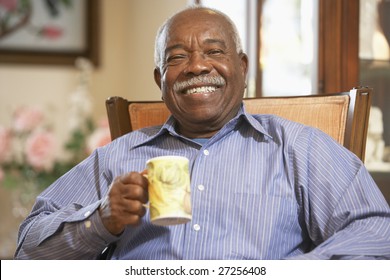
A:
(196, 43)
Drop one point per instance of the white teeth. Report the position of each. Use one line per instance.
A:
(200, 89)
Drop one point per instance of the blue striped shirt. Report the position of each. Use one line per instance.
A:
(262, 188)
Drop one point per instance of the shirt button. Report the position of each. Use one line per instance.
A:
(206, 152)
(200, 187)
(86, 214)
(87, 224)
(196, 227)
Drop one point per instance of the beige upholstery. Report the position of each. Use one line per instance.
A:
(344, 116)
(147, 114)
(328, 113)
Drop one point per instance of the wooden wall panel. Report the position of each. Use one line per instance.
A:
(338, 45)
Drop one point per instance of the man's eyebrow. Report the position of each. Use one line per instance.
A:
(207, 41)
(216, 41)
(173, 47)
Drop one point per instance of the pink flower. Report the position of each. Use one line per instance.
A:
(9, 5)
(5, 143)
(40, 150)
(51, 32)
(100, 137)
(27, 118)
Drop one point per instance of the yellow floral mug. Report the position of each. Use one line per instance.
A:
(169, 190)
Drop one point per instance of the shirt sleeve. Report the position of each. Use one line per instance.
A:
(64, 222)
(341, 208)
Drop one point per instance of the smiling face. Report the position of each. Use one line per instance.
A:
(202, 77)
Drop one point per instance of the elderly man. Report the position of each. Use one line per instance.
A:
(262, 187)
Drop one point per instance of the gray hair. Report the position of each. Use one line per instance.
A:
(163, 29)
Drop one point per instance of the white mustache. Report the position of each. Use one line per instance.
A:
(209, 80)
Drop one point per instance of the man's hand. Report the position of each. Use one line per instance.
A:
(124, 203)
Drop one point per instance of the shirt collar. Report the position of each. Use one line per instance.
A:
(242, 115)
(252, 121)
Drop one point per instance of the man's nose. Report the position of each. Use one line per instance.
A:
(198, 65)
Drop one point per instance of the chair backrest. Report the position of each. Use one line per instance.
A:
(344, 116)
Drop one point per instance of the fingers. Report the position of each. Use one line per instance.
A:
(130, 214)
(134, 186)
(135, 179)
(131, 186)
(131, 207)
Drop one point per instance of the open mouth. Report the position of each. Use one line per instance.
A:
(200, 84)
(204, 89)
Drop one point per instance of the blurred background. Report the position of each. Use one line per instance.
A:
(53, 86)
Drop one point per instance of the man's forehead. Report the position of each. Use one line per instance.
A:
(208, 30)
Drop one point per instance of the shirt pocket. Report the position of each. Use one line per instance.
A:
(264, 225)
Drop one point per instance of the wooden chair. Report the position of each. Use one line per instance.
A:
(344, 116)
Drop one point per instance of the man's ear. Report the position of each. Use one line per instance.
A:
(244, 64)
(157, 77)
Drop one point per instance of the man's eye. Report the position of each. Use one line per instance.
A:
(215, 52)
(175, 58)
